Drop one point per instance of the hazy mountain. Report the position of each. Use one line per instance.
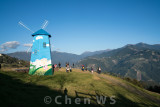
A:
(129, 59)
(64, 57)
(88, 53)
(21, 55)
(57, 57)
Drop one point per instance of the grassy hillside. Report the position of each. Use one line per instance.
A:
(21, 89)
(8, 62)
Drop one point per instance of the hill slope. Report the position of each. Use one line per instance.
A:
(129, 60)
(27, 90)
(8, 61)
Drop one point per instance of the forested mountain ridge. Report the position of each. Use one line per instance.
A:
(129, 60)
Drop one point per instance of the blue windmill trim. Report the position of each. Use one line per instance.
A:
(41, 32)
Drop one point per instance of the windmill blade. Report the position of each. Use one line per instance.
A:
(21, 23)
(28, 45)
(45, 24)
(29, 49)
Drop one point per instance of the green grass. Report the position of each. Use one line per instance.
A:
(21, 89)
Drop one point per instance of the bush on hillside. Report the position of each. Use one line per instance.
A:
(134, 81)
(154, 89)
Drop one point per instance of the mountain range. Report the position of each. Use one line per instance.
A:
(57, 57)
(140, 61)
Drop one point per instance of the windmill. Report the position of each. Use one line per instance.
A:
(40, 63)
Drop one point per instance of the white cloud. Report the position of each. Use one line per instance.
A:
(39, 37)
(27, 45)
(57, 49)
(9, 45)
(42, 62)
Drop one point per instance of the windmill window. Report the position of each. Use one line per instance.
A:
(44, 44)
(35, 51)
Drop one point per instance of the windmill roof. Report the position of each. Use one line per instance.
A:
(41, 32)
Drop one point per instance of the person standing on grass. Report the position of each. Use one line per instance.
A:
(70, 69)
(86, 68)
(82, 67)
(92, 70)
(53, 68)
(99, 70)
(59, 65)
(73, 65)
(67, 68)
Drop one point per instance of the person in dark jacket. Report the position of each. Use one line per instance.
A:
(59, 65)
(70, 69)
(53, 68)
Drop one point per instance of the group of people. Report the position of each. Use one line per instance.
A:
(58, 66)
(68, 68)
(91, 70)
(67, 64)
(84, 68)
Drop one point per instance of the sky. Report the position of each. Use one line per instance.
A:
(77, 26)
